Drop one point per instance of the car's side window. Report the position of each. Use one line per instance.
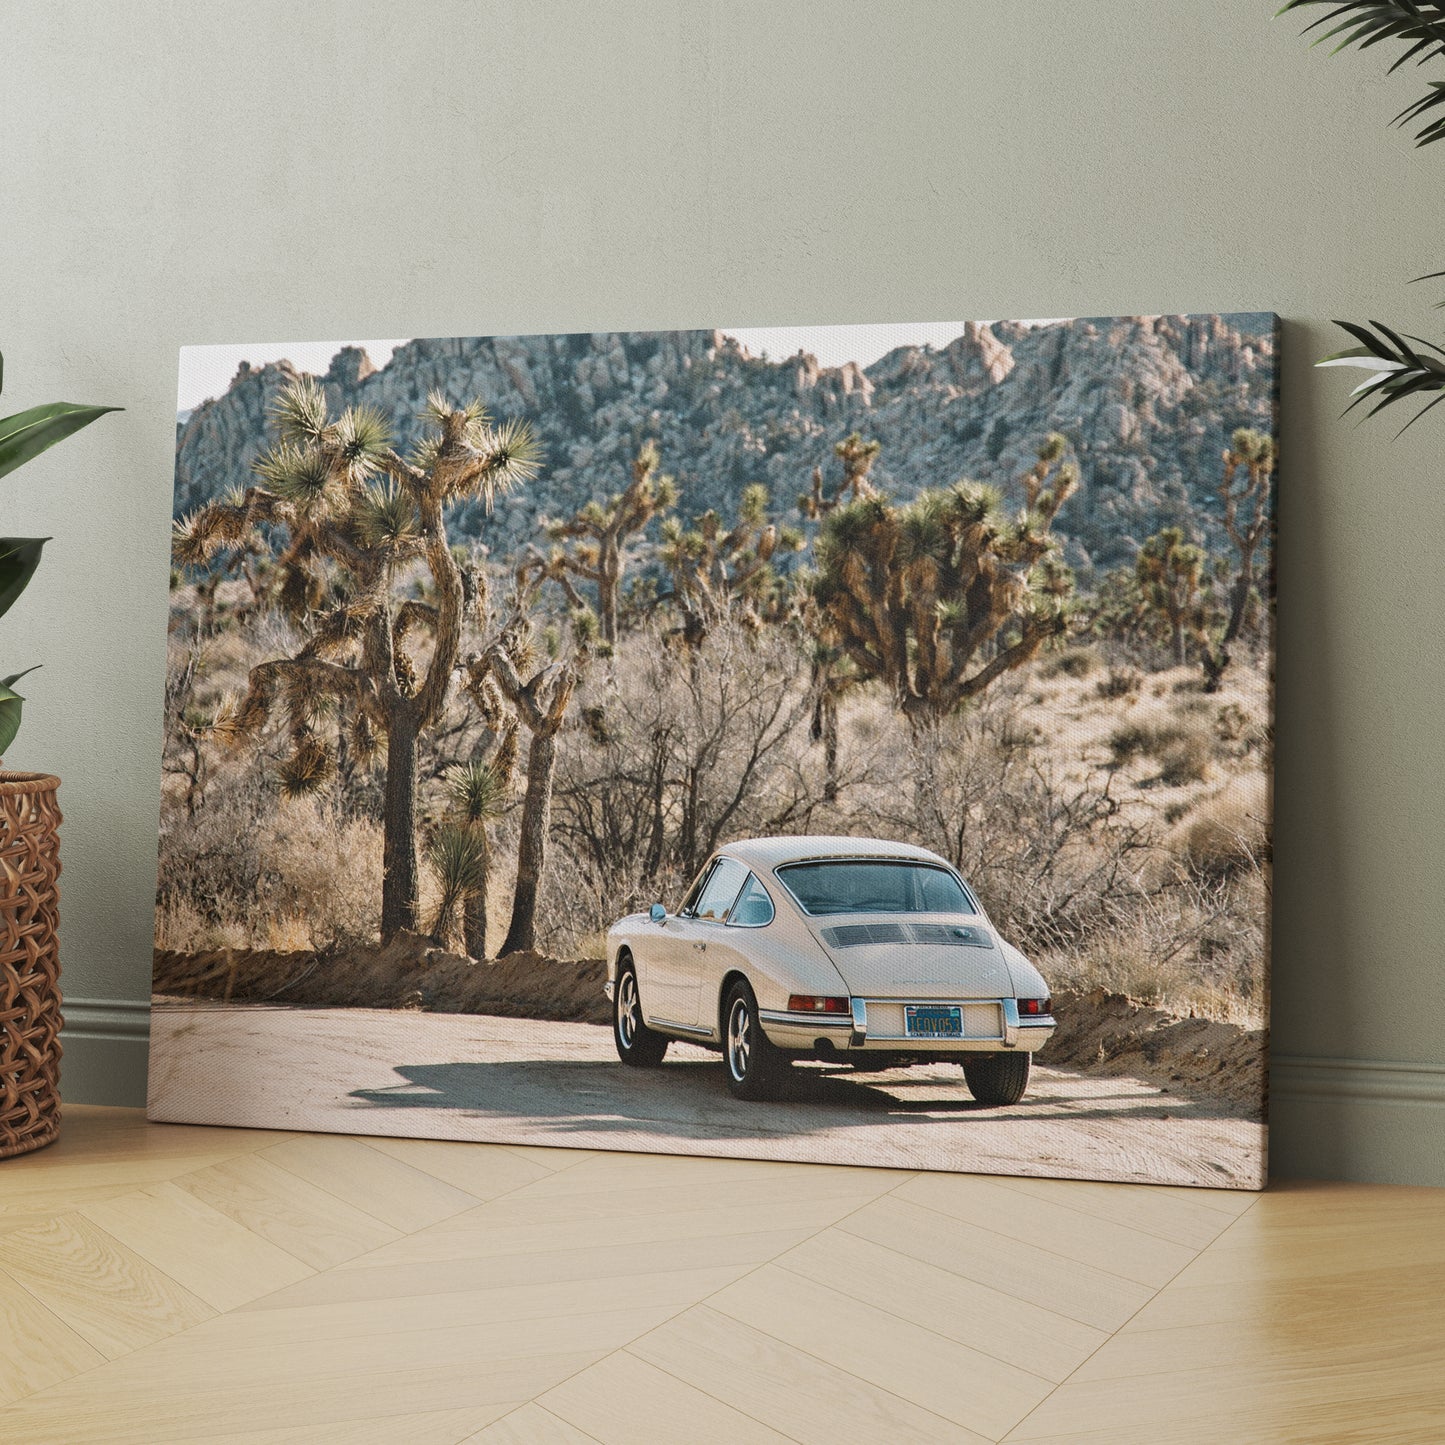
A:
(754, 909)
(723, 884)
(688, 907)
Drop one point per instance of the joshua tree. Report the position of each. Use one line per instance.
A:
(598, 535)
(1050, 460)
(857, 457)
(1246, 513)
(460, 851)
(342, 506)
(718, 571)
(539, 689)
(938, 598)
(1171, 577)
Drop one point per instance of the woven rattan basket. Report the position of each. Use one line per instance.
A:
(29, 962)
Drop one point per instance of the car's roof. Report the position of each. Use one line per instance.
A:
(770, 852)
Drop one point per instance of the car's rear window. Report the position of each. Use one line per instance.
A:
(875, 885)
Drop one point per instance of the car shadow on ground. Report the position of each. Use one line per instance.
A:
(690, 1099)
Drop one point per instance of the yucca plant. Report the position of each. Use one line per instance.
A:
(938, 598)
(595, 538)
(22, 438)
(351, 521)
(1401, 367)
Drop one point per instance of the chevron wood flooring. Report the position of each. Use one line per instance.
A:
(167, 1283)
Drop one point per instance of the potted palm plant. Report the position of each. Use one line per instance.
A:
(29, 844)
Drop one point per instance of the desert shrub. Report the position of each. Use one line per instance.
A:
(674, 754)
(252, 870)
(1186, 760)
(1076, 662)
(1119, 682)
(1229, 832)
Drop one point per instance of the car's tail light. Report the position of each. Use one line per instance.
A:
(812, 1003)
(1035, 1006)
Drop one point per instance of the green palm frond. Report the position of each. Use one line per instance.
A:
(300, 411)
(478, 790)
(1419, 25)
(1398, 370)
(299, 474)
(385, 516)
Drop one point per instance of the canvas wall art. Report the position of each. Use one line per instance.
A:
(845, 744)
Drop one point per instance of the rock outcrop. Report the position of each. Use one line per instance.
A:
(1147, 403)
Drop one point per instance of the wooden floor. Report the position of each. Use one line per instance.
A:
(162, 1283)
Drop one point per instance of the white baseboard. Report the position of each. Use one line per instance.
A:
(1362, 1119)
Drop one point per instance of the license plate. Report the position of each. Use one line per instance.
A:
(921, 1021)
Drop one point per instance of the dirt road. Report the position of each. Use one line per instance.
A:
(520, 1081)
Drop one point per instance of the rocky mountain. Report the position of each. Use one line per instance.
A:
(1147, 404)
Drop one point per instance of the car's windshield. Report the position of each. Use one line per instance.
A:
(875, 885)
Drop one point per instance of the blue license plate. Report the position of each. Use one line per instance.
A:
(921, 1021)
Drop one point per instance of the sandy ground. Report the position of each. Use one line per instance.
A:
(523, 1081)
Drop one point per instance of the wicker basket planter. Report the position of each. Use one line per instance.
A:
(29, 962)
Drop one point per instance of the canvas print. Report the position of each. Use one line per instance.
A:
(847, 744)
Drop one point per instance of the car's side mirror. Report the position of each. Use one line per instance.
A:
(657, 913)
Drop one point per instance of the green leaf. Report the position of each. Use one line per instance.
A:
(19, 557)
(28, 433)
(10, 704)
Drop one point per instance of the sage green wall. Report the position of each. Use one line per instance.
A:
(178, 173)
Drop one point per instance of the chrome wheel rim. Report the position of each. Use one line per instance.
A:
(740, 1039)
(627, 1013)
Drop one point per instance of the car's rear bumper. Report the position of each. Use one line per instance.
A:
(879, 1025)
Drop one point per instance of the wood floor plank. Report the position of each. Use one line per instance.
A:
(200, 1364)
(531, 1425)
(479, 1235)
(433, 1427)
(110, 1296)
(952, 1380)
(37, 1347)
(481, 1170)
(1080, 1292)
(794, 1392)
(294, 1326)
(148, 1411)
(622, 1400)
(604, 1173)
(986, 1319)
(1140, 1206)
(205, 1251)
(844, 1190)
(1271, 1390)
(290, 1212)
(533, 1269)
(1401, 1293)
(1118, 1249)
(370, 1180)
(549, 1157)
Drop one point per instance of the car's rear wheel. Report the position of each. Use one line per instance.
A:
(997, 1078)
(754, 1067)
(637, 1044)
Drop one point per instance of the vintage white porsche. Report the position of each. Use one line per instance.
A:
(851, 950)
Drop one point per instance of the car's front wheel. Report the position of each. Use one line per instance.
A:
(637, 1044)
(754, 1067)
(997, 1078)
